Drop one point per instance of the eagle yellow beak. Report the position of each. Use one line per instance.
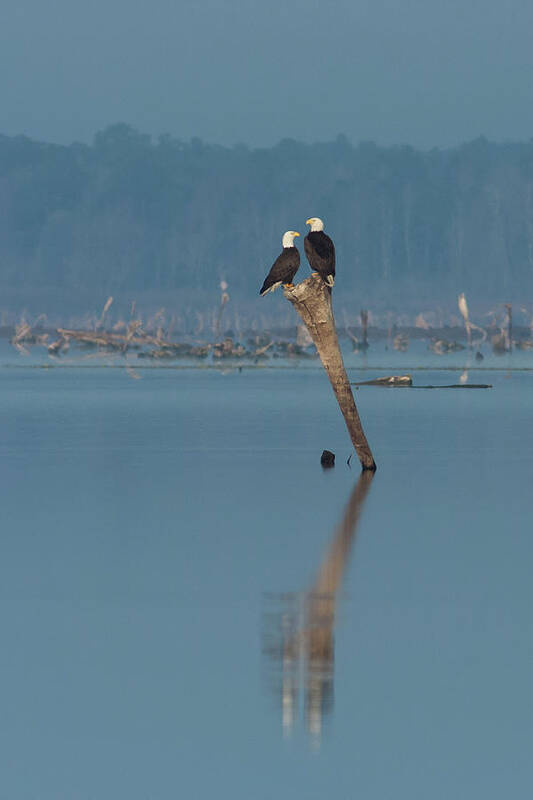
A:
(295, 233)
(309, 221)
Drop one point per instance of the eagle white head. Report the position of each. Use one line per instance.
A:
(315, 223)
(288, 238)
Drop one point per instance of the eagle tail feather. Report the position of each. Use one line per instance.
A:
(274, 286)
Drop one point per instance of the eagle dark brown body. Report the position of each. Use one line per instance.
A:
(283, 270)
(320, 252)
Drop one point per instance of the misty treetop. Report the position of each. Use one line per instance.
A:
(129, 214)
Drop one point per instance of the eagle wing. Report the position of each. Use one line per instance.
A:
(320, 252)
(283, 269)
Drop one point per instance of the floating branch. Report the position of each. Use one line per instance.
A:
(390, 380)
(406, 382)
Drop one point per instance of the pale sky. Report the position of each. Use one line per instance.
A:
(423, 72)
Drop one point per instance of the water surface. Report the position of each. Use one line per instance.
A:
(154, 527)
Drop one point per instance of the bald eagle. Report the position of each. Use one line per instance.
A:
(284, 267)
(320, 251)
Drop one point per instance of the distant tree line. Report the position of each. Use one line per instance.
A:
(129, 214)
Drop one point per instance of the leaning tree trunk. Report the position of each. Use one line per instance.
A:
(312, 301)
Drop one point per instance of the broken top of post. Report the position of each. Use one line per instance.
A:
(312, 301)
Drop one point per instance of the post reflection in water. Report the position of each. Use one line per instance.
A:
(299, 638)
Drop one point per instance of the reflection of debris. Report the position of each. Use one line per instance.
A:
(401, 342)
(500, 343)
(24, 333)
(421, 322)
(291, 350)
(360, 345)
(131, 372)
(442, 346)
(176, 350)
(229, 349)
(59, 345)
(303, 337)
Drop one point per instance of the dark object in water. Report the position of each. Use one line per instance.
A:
(358, 346)
(479, 356)
(327, 459)
(390, 380)
(457, 386)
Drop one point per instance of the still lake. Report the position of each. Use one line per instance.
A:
(159, 532)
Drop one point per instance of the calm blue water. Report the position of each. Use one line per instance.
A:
(150, 528)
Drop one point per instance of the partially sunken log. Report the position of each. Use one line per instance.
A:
(312, 301)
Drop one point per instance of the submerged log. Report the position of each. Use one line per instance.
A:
(312, 301)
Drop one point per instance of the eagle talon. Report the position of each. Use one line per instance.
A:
(288, 285)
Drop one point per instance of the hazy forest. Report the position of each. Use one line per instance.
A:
(132, 216)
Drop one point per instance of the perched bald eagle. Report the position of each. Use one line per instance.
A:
(320, 251)
(285, 266)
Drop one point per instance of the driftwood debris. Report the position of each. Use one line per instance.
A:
(406, 382)
(312, 301)
(390, 380)
(135, 338)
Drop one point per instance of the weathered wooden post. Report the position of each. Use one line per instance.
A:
(312, 301)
